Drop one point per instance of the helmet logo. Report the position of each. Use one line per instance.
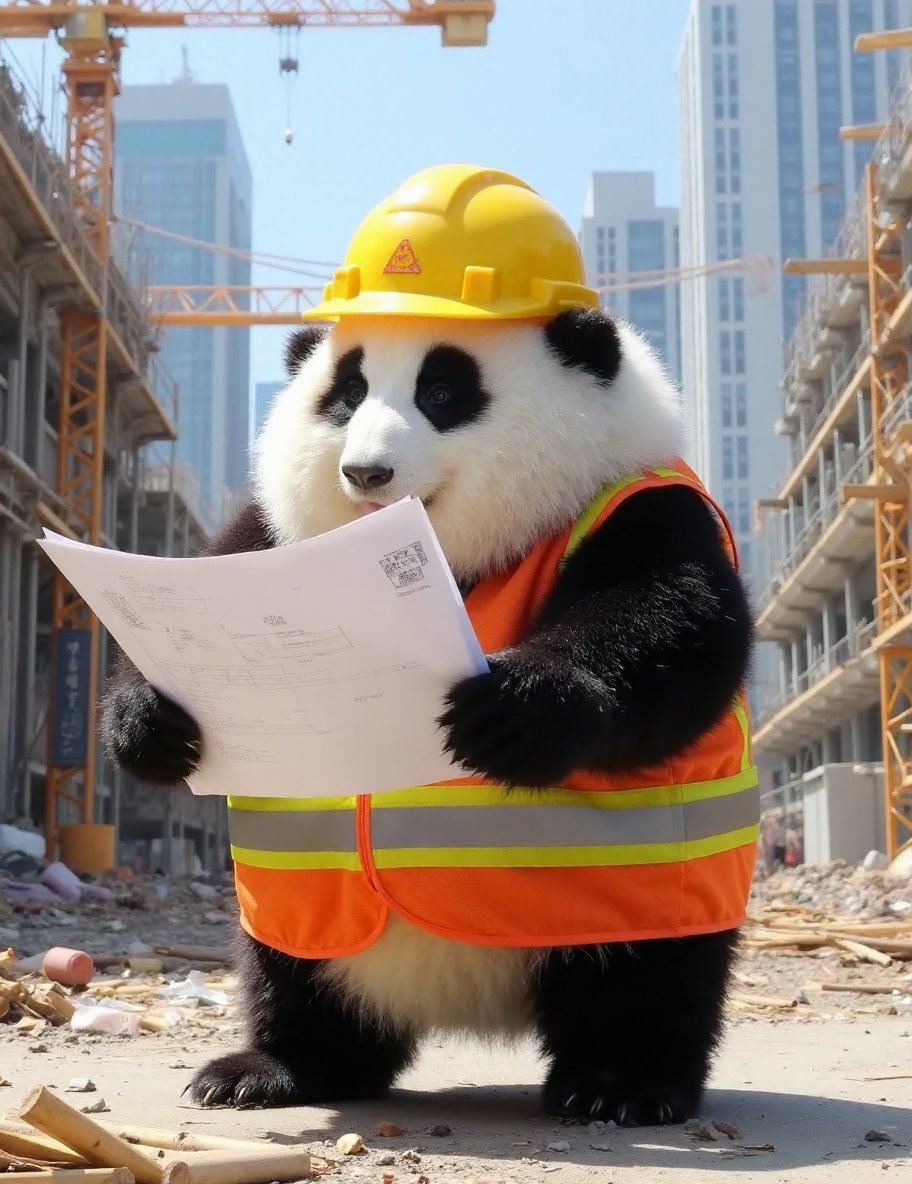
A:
(403, 261)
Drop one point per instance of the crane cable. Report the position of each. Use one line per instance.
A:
(628, 281)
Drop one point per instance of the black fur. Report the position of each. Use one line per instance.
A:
(146, 732)
(586, 339)
(303, 1044)
(449, 391)
(630, 1030)
(639, 650)
(348, 390)
(300, 345)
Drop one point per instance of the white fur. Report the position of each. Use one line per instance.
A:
(551, 438)
(421, 982)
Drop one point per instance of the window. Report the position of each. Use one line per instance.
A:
(726, 405)
(717, 24)
(728, 503)
(740, 362)
(718, 87)
(738, 299)
(731, 30)
(728, 459)
(744, 514)
(733, 106)
(600, 233)
(743, 461)
(741, 405)
(646, 245)
(725, 352)
(744, 551)
(724, 300)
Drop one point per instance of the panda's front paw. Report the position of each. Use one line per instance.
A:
(589, 1094)
(149, 735)
(530, 720)
(244, 1079)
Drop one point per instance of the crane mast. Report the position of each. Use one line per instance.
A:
(92, 36)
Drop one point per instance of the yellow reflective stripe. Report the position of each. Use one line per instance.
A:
(602, 799)
(587, 519)
(281, 805)
(744, 724)
(348, 861)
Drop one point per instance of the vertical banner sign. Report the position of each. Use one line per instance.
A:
(72, 668)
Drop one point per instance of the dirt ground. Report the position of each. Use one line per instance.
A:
(819, 1091)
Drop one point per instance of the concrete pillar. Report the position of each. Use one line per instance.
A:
(856, 741)
(851, 605)
(826, 617)
(22, 796)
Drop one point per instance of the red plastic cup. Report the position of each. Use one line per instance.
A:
(70, 968)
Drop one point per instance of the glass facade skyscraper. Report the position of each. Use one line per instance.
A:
(182, 168)
(764, 87)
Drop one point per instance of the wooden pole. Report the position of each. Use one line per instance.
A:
(28, 1144)
(262, 1166)
(100, 1147)
(147, 1136)
(75, 1176)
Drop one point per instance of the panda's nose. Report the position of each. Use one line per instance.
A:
(367, 476)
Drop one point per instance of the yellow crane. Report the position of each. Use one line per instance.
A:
(891, 489)
(92, 34)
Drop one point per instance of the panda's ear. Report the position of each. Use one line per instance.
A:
(300, 345)
(586, 339)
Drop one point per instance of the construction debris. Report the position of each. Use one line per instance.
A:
(75, 1149)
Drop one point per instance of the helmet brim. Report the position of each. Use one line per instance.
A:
(409, 304)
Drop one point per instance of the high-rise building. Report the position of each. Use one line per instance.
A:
(764, 88)
(182, 168)
(263, 394)
(624, 231)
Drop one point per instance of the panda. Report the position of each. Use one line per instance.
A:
(505, 430)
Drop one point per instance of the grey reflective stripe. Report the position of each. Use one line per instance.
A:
(398, 828)
(293, 830)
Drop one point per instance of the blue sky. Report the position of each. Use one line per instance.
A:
(564, 87)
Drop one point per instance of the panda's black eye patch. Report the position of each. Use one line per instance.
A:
(449, 390)
(348, 390)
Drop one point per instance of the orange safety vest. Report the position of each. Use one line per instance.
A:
(664, 852)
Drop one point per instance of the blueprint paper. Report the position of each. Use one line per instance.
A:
(313, 669)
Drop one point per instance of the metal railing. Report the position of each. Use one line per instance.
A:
(162, 476)
(823, 513)
(856, 642)
(28, 137)
(822, 290)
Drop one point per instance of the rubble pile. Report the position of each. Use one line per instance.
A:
(837, 889)
(45, 904)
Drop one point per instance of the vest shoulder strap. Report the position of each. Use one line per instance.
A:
(612, 496)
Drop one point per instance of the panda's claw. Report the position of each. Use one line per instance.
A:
(621, 1114)
(596, 1107)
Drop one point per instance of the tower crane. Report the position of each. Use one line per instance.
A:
(93, 38)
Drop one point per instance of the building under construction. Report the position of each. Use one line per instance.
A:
(50, 275)
(839, 604)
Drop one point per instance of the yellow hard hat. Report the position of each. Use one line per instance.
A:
(459, 241)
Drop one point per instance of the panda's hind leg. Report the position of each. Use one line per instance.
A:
(306, 1044)
(630, 1030)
